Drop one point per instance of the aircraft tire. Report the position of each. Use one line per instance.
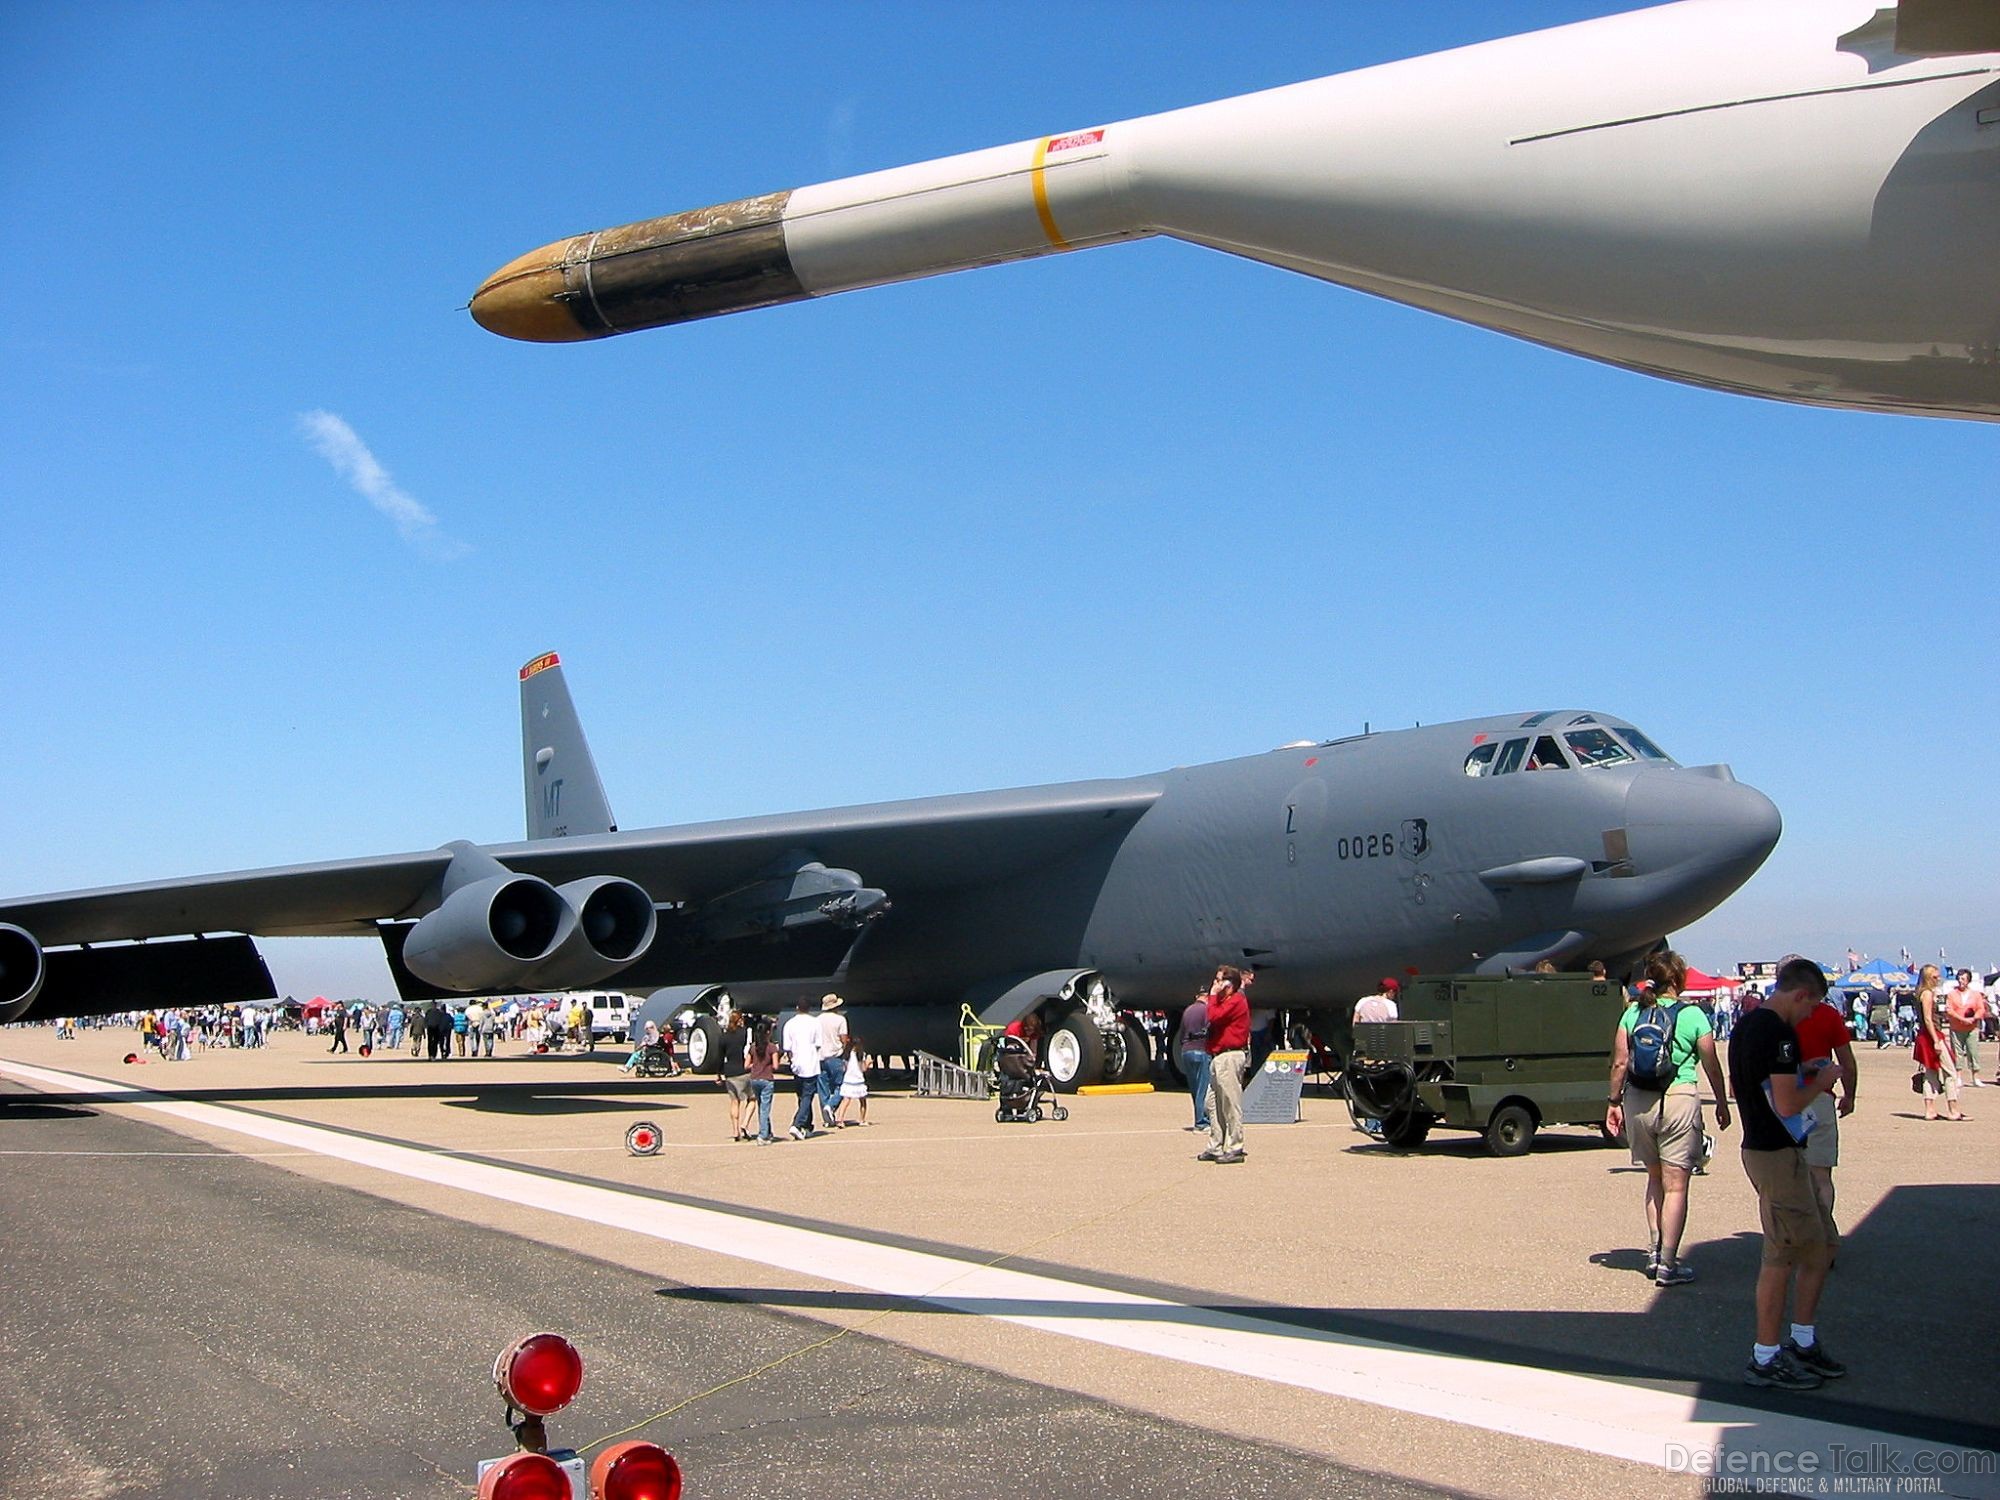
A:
(1076, 1049)
(704, 1045)
(1138, 1056)
(1511, 1131)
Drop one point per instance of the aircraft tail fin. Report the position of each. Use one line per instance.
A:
(559, 777)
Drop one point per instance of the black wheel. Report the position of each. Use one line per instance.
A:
(1035, 1115)
(1076, 1052)
(704, 1045)
(1406, 1130)
(1511, 1131)
(1058, 1112)
(1138, 1061)
(1000, 1116)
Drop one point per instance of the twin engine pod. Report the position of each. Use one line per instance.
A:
(22, 970)
(495, 929)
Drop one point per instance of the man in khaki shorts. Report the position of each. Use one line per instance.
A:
(1774, 1090)
(1663, 1125)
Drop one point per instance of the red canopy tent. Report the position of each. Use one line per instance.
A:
(1699, 983)
(315, 1005)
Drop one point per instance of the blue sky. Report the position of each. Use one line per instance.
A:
(961, 533)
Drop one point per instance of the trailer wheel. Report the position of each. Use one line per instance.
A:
(1406, 1131)
(1076, 1052)
(1511, 1131)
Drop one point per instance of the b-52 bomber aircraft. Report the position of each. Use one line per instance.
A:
(1482, 845)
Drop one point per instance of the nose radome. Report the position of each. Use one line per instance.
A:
(1699, 817)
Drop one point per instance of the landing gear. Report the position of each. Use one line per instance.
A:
(1135, 1062)
(704, 1045)
(1076, 1051)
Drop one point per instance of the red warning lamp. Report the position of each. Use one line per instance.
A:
(539, 1374)
(635, 1471)
(525, 1476)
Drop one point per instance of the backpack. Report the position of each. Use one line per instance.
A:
(1651, 1062)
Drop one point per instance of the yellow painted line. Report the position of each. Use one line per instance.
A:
(1116, 1088)
(1038, 179)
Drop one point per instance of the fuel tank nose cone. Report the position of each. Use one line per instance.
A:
(524, 298)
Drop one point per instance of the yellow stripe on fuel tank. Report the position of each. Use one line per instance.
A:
(1039, 179)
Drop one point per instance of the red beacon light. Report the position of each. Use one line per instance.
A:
(635, 1471)
(539, 1374)
(525, 1476)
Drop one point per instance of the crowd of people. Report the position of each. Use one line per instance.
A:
(356, 1027)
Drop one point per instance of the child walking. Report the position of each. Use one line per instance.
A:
(853, 1086)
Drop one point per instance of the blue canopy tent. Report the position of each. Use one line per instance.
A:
(1878, 974)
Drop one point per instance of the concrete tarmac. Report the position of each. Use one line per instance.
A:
(1515, 1271)
(180, 1321)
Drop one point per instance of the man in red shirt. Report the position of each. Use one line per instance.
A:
(1823, 1034)
(1229, 1054)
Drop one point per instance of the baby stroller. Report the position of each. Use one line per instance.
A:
(1023, 1085)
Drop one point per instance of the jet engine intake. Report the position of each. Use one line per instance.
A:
(487, 934)
(614, 923)
(22, 970)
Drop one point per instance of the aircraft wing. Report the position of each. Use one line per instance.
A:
(341, 897)
(922, 844)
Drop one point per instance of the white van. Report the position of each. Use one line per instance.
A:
(610, 1012)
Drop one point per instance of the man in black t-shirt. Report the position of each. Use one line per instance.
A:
(1799, 1235)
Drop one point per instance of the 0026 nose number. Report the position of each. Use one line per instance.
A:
(1365, 845)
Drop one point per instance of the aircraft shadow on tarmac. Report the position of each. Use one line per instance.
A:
(498, 1098)
(1682, 1343)
(26, 1107)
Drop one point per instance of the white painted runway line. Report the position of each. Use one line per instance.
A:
(1593, 1414)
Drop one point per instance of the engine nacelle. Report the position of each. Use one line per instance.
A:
(22, 970)
(489, 933)
(614, 924)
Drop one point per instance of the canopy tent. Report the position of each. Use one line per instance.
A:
(1699, 983)
(317, 1004)
(1878, 974)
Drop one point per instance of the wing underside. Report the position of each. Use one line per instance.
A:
(707, 880)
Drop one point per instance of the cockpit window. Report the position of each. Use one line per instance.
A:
(1596, 747)
(1547, 755)
(1510, 757)
(1583, 719)
(1646, 748)
(1481, 760)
